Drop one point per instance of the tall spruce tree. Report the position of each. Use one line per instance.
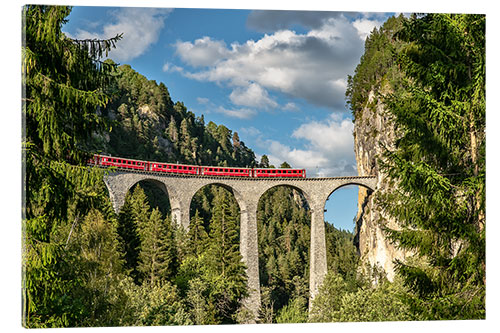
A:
(228, 271)
(156, 257)
(197, 235)
(438, 164)
(63, 88)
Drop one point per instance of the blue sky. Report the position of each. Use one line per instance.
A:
(278, 78)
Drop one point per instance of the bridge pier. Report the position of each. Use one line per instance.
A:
(179, 207)
(249, 249)
(317, 264)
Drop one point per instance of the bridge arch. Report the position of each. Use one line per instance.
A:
(234, 191)
(359, 185)
(365, 185)
(302, 190)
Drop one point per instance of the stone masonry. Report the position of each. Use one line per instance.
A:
(247, 192)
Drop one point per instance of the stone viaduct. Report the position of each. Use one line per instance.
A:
(247, 191)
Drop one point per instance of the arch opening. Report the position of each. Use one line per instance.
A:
(284, 237)
(208, 197)
(212, 252)
(156, 193)
(341, 216)
(146, 202)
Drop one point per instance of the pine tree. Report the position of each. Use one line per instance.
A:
(197, 235)
(264, 162)
(100, 263)
(438, 164)
(156, 256)
(228, 271)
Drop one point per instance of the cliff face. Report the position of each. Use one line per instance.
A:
(372, 132)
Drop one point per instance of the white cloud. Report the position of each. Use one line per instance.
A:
(250, 131)
(328, 148)
(365, 26)
(312, 66)
(331, 137)
(140, 27)
(204, 51)
(168, 67)
(252, 96)
(202, 100)
(290, 106)
(279, 153)
(243, 113)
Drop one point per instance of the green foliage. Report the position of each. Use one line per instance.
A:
(156, 305)
(377, 66)
(99, 263)
(386, 302)
(341, 254)
(338, 300)
(283, 224)
(63, 82)
(197, 235)
(294, 312)
(157, 254)
(438, 163)
(328, 301)
(63, 88)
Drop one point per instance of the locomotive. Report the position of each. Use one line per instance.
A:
(131, 164)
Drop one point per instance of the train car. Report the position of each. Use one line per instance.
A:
(123, 163)
(175, 168)
(226, 171)
(284, 173)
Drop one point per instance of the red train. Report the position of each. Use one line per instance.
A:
(126, 163)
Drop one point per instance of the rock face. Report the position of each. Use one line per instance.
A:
(372, 132)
